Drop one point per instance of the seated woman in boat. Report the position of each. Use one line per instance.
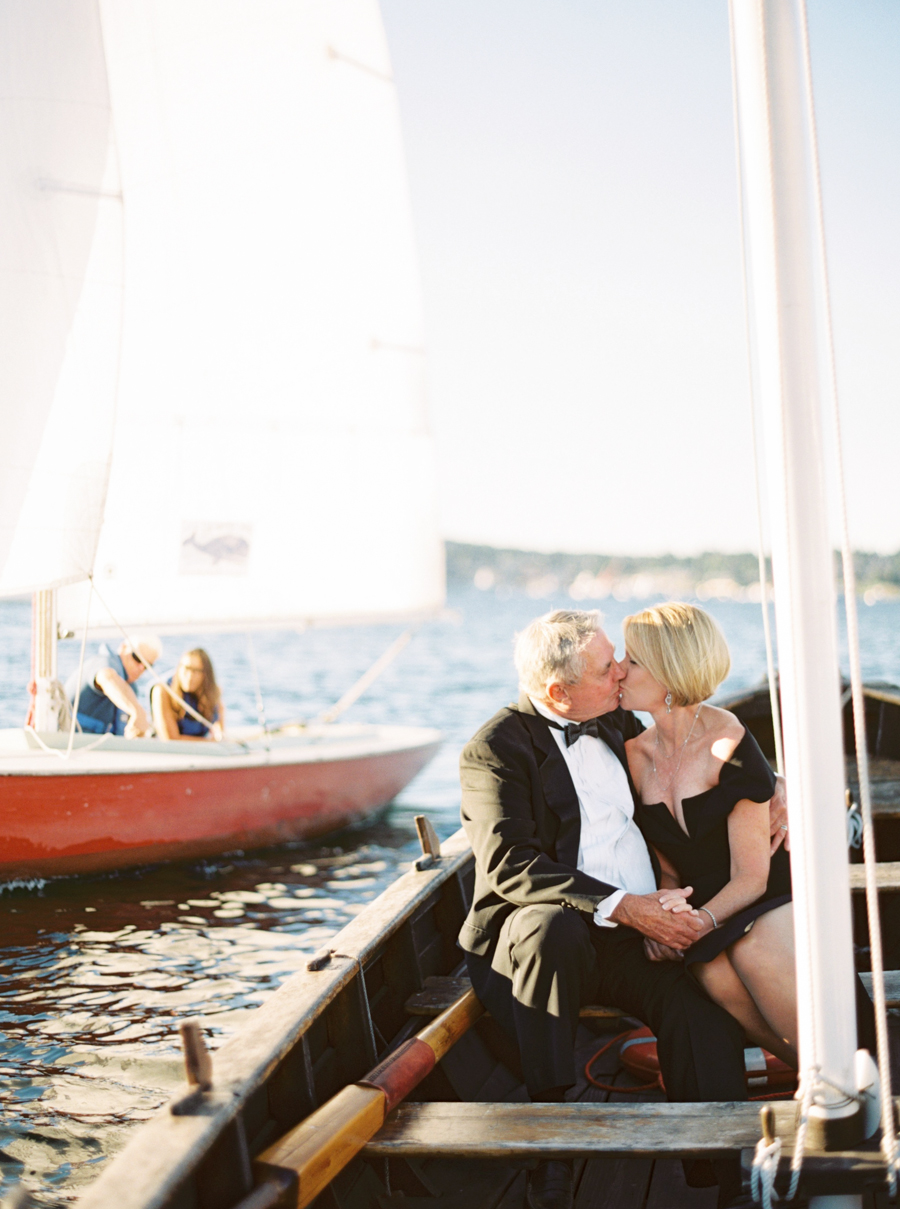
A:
(704, 787)
(192, 684)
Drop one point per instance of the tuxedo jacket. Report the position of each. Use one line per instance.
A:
(521, 814)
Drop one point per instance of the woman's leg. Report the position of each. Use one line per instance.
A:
(724, 986)
(764, 961)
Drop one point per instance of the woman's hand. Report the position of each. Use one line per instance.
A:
(655, 951)
(216, 732)
(675, 899)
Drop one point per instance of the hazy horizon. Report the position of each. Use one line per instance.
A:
(574, 197)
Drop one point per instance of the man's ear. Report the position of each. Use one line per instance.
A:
(557, 693)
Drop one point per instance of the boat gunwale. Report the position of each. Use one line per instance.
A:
(122, 762)
(169, 1148)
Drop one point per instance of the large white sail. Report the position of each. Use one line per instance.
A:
(272, 460)
(60, 290)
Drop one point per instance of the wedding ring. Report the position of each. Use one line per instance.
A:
(784, 826)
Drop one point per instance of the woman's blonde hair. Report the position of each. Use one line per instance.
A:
(681, 647)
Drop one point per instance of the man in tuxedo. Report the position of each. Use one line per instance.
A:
(565, 887)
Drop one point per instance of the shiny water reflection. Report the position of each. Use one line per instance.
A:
(98, 972)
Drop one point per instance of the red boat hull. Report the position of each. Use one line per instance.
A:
(61, 822)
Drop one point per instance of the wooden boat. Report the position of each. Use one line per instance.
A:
(372, 1078)
(136, 801)
(291, 1116)
(258, 365)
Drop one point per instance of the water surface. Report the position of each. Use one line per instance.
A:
(98, 971)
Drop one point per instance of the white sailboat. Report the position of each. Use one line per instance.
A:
(213, 411)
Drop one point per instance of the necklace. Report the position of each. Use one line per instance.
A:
(664, 789)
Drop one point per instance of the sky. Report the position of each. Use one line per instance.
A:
(572, 174)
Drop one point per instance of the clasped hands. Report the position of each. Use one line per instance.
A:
(667, 920)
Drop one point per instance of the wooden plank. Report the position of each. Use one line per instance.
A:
(166, 1151)
(326, 1142)
(566, 1130)
(312, 1154)
(884, 777)
(891, 986)
(887, 872)
(440, 992)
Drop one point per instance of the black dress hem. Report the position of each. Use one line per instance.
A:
(731, 930)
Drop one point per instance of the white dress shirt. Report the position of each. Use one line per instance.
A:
(611, 847)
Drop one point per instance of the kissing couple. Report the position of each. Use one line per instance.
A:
(640, 868)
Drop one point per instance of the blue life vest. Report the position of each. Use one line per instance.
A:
(188, 725)
(97, 715)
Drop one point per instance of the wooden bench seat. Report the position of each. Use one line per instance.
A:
(517, 1130)
(514, 1132)
(440, 993)
(888, 876)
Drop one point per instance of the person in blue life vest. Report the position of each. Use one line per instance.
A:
(193, 683)
(103, 698)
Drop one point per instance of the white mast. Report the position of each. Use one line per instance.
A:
(789, 323)
(47, 700)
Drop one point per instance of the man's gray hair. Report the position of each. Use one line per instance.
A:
(152, 646)
(551, 649)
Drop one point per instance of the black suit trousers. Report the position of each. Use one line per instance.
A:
(550, 960)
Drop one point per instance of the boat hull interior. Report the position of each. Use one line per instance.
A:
(390, 969)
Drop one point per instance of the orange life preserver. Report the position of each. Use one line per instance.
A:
(765, 1074)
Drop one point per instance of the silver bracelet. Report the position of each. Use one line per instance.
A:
(710, 914)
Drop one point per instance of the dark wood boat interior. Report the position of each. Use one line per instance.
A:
(464, 1137)
(882, 742)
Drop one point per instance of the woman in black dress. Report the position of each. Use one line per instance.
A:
(705, 786)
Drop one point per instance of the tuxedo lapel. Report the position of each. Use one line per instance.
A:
(556, 782)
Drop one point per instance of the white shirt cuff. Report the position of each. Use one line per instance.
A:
(603, 910)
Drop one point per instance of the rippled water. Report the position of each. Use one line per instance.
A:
(98, 971)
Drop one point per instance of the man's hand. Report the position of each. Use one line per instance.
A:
(645, 913)
(137, 724)
(657, 952)
(778, 818)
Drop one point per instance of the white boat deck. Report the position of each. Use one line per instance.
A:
(23, 752)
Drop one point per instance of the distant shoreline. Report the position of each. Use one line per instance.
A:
(586, 577)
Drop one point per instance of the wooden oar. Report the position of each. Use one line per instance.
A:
(295, 1169)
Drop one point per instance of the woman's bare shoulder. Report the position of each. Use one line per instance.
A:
(724, 731)
(641, 744)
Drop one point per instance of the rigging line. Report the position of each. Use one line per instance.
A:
(372, 71)
(157, 680)
(87, 618)
(54, 751)
(367, 678)
(757, 460)
(260, 704)
(888, 1134)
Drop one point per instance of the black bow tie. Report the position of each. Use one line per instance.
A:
(574, 730)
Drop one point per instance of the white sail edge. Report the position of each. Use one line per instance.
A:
(60, 291)
(272, 461)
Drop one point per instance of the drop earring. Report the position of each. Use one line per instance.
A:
(669, 701)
